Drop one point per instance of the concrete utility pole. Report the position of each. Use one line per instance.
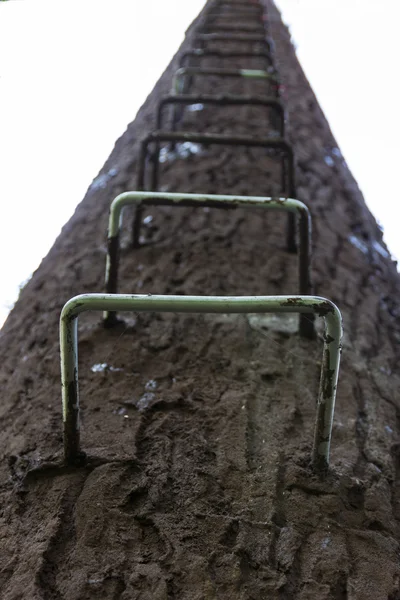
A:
(198, 478)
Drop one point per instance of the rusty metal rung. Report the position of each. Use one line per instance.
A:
(237, 15)
(221, 100)
(280, 145)
(200, 53)
(227, 37)
(184, 74)
(238, 5)
(231, 28)
(277, 144)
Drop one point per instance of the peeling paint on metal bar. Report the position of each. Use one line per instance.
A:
(200, 304)
(291, 205)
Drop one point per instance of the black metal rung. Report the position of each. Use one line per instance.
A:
(278, 144)
(222, 100)
(205, 53)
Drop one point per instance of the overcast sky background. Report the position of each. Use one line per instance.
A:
(73, 75)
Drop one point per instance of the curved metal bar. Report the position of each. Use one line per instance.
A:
(222, 100)
(178, 81)
(290, 205)
(240, 14)
(204, 53)
(234, 28)
(202, 38)
(281, 145)
(239, 5)
(278, 144)
(201, 304)
(254, 7)
(183, 79)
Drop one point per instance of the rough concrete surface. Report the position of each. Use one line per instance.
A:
(199, 429)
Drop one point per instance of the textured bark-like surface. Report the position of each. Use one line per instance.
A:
(200, 428)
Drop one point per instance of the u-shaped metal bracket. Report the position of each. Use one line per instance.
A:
(220, 100)
(201, 39)
(200, 53)
(313, 305)
(250, 8)
(278, 144)
(140, 199)
(183, 73)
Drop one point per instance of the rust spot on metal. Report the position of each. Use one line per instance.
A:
(323, 308)
(328, 387)
(328, 338)
(292, 302)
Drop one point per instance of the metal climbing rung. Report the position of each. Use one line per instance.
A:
(238, 15)
(243, 5)
(313, 305)
(202, 38)
(238, 11)
(178, 81)
(221, 100)
(234, 28)
(183, 79)
(279, 145)
(141, 199)
(200, 53)
(237, 2)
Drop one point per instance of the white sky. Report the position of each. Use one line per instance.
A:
(73, 75)
(349, 51)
